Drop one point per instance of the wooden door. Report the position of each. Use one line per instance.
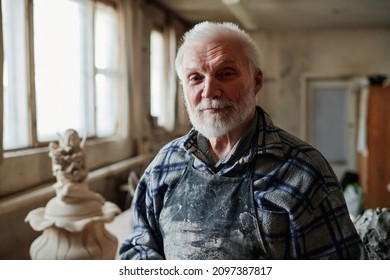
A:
(375, 166)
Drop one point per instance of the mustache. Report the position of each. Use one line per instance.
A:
(214, 104)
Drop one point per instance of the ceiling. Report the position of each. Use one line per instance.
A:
(285, 14)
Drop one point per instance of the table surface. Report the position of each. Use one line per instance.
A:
(120, 227)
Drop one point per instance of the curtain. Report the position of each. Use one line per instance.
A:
(132, 17)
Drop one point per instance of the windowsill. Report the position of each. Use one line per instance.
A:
(46, 190)
(40, 150)
(26, 169)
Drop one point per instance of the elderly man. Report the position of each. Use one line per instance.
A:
(236, 186)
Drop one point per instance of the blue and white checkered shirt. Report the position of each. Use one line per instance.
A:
(300, 205)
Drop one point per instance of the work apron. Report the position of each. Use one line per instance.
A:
(210, 217)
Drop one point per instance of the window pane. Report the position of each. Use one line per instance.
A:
(106, 67)
(15, 131)
(106, 109)
(106, 37)
(60, 82)
(330, 123)
(156, 72)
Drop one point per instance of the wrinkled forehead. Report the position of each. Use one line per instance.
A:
(214, 51)
(225, 41)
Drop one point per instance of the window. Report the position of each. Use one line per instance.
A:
(156, 75)
(63, 61)
(332, 122)
(15, 79)
(163, 77)
(106, 69)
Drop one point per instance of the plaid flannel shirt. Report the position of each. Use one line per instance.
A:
(300, 205)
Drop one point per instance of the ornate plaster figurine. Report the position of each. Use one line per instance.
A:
(68, 157)
(69, 167)
(73, 221)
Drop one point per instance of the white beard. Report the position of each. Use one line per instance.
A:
(218, 124)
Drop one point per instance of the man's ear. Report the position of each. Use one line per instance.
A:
(258, 80)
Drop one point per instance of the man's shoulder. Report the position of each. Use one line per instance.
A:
(301, 150)
(291, 141)
(171, 153)
(174, 145)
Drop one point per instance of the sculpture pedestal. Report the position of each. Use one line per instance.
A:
(94, 242)
(71, 234)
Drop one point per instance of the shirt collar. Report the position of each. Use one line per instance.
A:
(268, 142)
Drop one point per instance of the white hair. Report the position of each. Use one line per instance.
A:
(215, 30)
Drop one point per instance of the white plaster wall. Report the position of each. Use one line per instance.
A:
(290, 56)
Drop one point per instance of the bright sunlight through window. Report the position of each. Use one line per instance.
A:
(156, 74)
(74, 75)
(15, 131)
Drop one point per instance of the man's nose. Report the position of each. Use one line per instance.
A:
(211, 88)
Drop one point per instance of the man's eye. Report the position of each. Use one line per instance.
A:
(194, 78)
(228, 74)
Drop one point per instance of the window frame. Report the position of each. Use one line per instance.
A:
(25, 169)
(312, 82)
(34, 142)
